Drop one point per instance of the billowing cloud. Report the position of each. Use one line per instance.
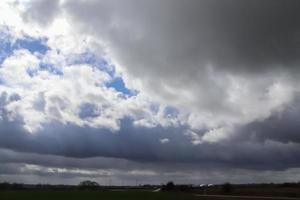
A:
(219, 61)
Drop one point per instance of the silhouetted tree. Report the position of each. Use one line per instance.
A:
(88, 185)
(227, 188)
(169, 186)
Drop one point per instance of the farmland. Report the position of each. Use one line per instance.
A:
(93, 195)
(113, 195)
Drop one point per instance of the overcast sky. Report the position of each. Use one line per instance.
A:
(120, 92)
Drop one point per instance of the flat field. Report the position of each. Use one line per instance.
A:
(114, 195)
(93, 195)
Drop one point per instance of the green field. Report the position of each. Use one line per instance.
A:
(109, 195)
(93, 195)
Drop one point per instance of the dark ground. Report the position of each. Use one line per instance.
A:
(93, 195)
(110, 195)
(168, 191)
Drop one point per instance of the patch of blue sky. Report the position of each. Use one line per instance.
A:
(8, 45)
(38, 45)
(32, 44)
(100, 63)
(118, 84)
(5, 43)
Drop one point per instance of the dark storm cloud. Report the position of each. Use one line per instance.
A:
(143, 145)
(281, 127)
(261, 145)
(133, 143)
(250, 35)
(72, 147)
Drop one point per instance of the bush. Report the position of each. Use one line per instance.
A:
(88, 185)
(227, 188)
(169, 186)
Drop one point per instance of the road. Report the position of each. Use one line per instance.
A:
(246, 197)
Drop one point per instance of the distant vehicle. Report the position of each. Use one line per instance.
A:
(206, 185)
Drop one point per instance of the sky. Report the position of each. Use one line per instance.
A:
(126, 92)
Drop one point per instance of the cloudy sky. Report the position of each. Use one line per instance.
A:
(138, 91)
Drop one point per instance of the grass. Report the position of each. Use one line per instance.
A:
(93, 195)
(103, 195)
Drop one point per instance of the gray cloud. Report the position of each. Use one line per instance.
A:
(239, 34)
(143, 145)
(194, 53)
(49, 8)
(281, 127)
(31, 168)
(213, 58)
